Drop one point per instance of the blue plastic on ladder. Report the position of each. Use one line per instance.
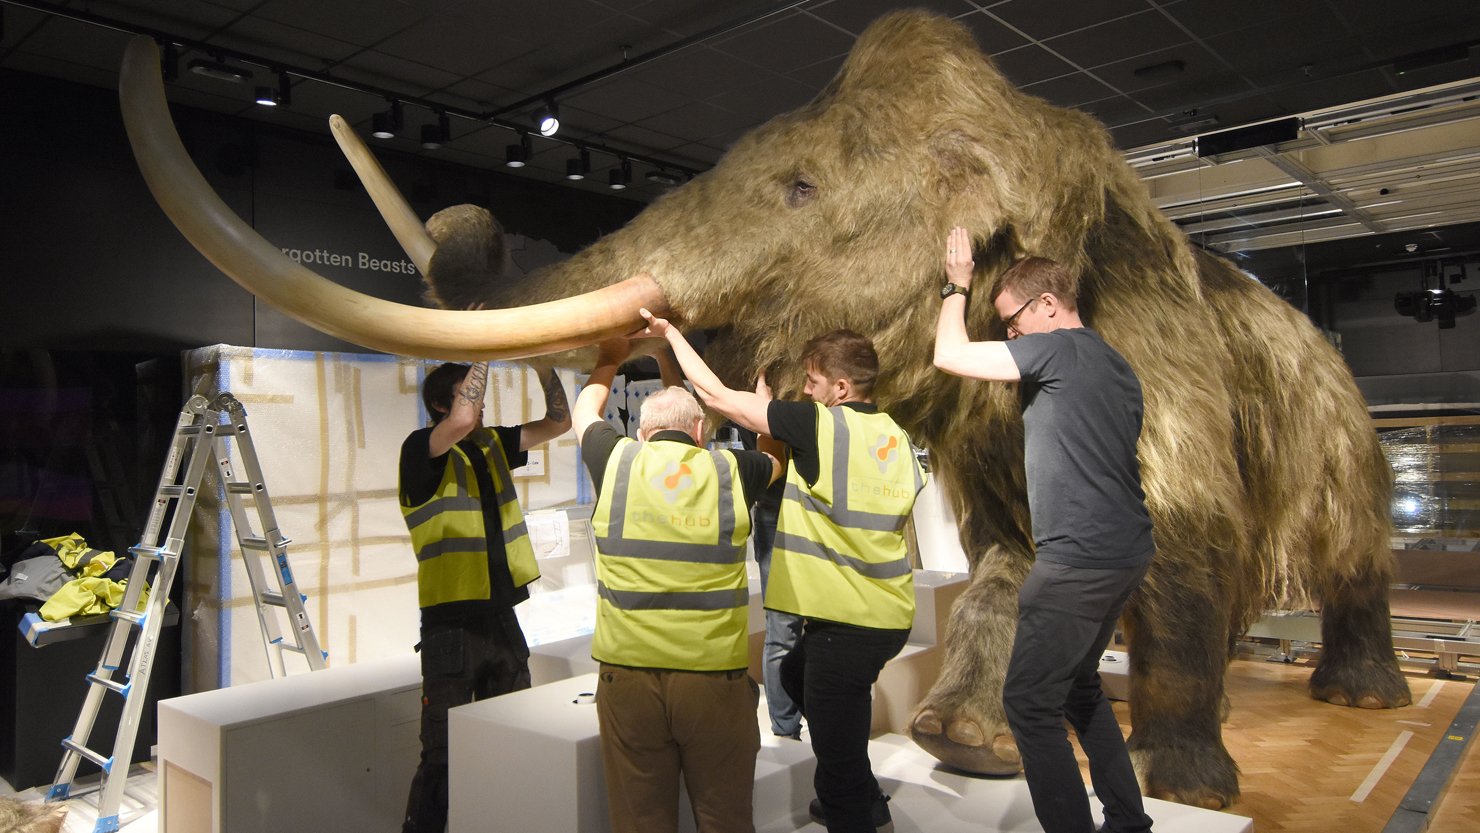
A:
(302, 597)
(276, 641)
(107, 824)
(58, 791)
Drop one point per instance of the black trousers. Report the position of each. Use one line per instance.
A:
(830, 676)
(460, 663)
(1066, 616)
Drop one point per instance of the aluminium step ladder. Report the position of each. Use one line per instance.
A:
(200, 437)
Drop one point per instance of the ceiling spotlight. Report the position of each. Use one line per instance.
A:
(517, 156)
(578, 168)
(436, 135)
(547, 119)
(280, 97)
(387, 124)
(621, 177)
(220, 71)
(663, 177)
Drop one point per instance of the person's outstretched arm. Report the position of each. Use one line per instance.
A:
(557, 414)
(591, 401)
(742, 406)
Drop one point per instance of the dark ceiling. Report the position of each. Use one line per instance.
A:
(1156, 72)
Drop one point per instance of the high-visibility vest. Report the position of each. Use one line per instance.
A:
(840, 553)
(670, 527)
(448, 534)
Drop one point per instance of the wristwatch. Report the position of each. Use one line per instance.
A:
(952, 289)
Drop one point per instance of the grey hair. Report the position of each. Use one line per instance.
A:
(671, 408)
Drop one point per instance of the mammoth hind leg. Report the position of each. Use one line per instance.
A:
(1357, 665)
(961, 721)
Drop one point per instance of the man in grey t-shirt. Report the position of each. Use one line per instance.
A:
(1091, 533)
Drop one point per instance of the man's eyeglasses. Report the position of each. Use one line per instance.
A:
(1011, 321)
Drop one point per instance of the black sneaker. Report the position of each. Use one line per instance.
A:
(883, 822)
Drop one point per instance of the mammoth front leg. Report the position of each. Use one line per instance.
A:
(1177, 626)
(961, 721)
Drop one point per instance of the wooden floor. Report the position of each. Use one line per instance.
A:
(1311, 767)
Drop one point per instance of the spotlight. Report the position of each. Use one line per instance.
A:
(1441, 305)
(517, 156)
(621, 177)
(580, 167)
(663, 177)
(267, 96)
(387, 124)
(436, 135)
(547, 119)
(220, 71)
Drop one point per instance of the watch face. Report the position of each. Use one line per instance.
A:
(951, 289)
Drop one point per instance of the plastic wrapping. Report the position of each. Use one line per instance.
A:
(1436, 481)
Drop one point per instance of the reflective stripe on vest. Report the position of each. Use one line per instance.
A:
(448, 532)
(840, 553)
(670, 529)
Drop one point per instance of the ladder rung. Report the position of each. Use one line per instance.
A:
(137, 619)
(156, 553)
(111, 685)
(254, 543)
(105, 764)
(274, 599)
(297, 649)
(243, 488)
(172, 491)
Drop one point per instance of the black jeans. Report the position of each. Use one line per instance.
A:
(1066, 616)
(459, 664)
(830, 675)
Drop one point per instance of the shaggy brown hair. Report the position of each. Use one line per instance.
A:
(1033, 276)
(844, 354)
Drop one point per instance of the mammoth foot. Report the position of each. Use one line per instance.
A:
(1370, 686)
(966, 742)
(1197, 776)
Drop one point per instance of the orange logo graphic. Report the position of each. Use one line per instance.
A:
(884, 449)
(675, 478)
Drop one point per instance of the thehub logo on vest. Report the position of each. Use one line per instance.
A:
(676, 477)
(884, 451)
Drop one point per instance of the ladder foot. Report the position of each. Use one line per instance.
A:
(107, 824)
(59, 792)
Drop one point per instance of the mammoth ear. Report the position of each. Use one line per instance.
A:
(469, 259)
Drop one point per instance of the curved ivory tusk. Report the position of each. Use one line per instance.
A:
(404, 224)
(236, 249)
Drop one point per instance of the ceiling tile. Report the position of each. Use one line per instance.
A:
(856, 15)
(700, 120)
(456, 44)
(1030, 64)
(361, 22)
(1118, 39)
(290, 45)
(991, 34)
(626, 99)
(1069, 90)
(1040, 20)
(767, 98)
(783, 48)
(698, 72)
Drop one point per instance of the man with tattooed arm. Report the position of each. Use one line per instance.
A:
(474, 559)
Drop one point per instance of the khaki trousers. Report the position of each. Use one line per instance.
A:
(658, 724)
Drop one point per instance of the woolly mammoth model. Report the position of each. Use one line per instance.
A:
(1261, 470)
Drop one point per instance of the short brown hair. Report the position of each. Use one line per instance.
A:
(439, 387)
(1032, 276)
(844, 354)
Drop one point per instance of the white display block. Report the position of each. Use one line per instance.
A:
(925, 795)
(1115, 675)
(331, 750)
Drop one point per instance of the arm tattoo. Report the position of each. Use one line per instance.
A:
(555, 405)
(472, 390)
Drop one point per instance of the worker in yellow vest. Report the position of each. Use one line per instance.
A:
(673, 695)
(474, 559)
(839, 558)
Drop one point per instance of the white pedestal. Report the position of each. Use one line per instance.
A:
(1115, 675)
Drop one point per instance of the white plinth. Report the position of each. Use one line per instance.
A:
(926, 796)
(1115, 675)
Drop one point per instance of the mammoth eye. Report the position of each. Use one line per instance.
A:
(800, 193)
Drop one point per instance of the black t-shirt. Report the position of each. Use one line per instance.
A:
(601, 439)
(1082, 414)
(795, 423)
(420, 475)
